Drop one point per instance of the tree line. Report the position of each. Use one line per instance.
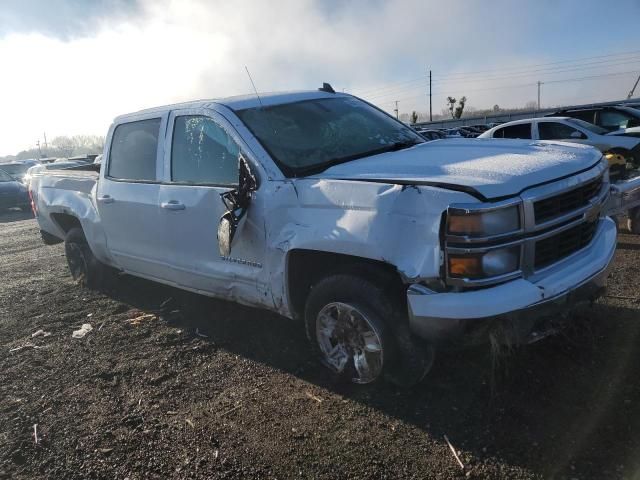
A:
(61, 147)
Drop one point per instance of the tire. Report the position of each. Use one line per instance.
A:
(357, 332)
(84, 267)
(633, 221)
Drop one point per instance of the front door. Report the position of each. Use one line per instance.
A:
(202, 163)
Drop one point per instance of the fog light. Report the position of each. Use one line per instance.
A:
(500, 261)
(465, 266)
(496, 262)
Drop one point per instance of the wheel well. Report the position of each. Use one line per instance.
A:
(65, 221)
(305, 268)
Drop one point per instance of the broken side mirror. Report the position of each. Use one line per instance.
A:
(236, 202)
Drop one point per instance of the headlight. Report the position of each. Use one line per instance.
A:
(499, 261)
(483, 224)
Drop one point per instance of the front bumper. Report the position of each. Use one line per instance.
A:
(519, 308)
(625, 195)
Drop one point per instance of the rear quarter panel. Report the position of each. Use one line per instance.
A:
(71, 193)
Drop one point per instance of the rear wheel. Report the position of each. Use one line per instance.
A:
(356, 332)
(85, 268)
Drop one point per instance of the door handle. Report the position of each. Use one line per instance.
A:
(172, 205)
(106, 199)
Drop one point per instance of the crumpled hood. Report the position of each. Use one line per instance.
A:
(493, 168)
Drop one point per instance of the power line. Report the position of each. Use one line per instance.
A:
(592, 76)
(394, 91)
(554, 71)
(514, 71)
(522, 85)
(578, 60)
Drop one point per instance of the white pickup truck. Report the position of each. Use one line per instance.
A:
(320, 207)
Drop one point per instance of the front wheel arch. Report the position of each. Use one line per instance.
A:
(405, 362)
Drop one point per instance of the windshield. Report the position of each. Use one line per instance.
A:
(15, 169)
(5, 177)
(309, 136)
(588, 126)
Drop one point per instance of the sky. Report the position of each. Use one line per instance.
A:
(70, 66)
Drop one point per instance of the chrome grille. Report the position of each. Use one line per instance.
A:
(566, 202)
(563, 244)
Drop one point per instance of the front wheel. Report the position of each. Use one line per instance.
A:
(354, 329)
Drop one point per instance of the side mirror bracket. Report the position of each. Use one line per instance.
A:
(236, 202)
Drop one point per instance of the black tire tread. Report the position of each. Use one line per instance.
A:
(95, 275)
(405, 362)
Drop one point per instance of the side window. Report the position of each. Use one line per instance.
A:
(613, 120)
(586, 115)
(521, 130)
(133, 150)
(202, 152)
(558, 131)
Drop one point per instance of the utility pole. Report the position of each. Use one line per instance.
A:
(430, 112)
(634, 88)
(539, 83)
(396, 110)
(46, 147)
(38, 145)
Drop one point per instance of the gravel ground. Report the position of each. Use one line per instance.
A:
(142, 397)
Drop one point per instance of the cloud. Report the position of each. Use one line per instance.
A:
(63, 19)
(70, 66)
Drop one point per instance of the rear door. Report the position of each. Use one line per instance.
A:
(127, 196)
(201, 163)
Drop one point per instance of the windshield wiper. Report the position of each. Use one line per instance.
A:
(394, 147)
(321, 167)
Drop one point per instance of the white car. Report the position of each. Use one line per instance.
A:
(322, 208)
(575, 131)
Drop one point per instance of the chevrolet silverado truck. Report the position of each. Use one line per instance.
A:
(321, 207)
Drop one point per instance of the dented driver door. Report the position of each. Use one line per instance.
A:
(202, 164)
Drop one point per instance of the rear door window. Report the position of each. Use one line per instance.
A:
(521, 130)
(133, 151)
(558, 131)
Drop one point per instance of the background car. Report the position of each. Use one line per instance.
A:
(455, 133)
(576, 131)
(17, 170)
(611, 118)
(13, 193)
(432, 134)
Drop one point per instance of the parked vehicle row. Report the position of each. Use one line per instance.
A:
(18, 169)
(623, 150)
(611, 118)
(470, 131)
(332, 212)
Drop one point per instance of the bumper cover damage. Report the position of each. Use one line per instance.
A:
(521, 310)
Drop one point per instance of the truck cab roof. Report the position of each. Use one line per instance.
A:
(240, 102)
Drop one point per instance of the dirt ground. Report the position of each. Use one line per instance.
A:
(232, 392)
